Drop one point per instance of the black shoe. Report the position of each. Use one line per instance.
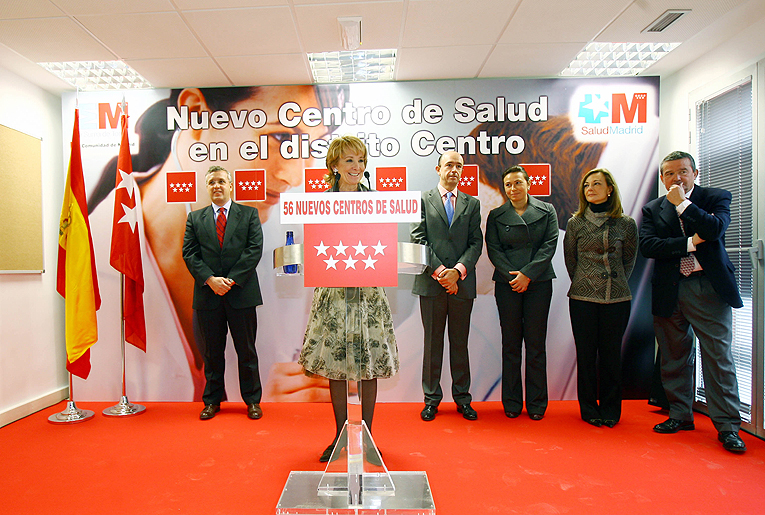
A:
(324, 458)
(428, 413)
(209, 411)
(673, 425)
(468, 413)
(610, 422)
(254, 411)
(536, 416)
(731, 441)
(512, 414)
(594, 422)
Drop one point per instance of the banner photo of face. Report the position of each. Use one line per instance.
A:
(561, 128)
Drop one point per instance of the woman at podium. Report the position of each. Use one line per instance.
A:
(373, 353)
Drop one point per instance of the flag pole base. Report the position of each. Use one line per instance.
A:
(124, 409)
(71, 415)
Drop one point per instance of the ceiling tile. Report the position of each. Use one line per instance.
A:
(441, 63)
(380, 25)
(265, 70)
(252, 31)
(530, 59)
(575, 20)
(145, 35)
(452, 22)
(52, 39)
(179, 73)
(77, 7)
(225, 4)
(627, 27)
(11, 9)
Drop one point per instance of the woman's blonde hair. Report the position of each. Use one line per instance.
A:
(615, 199)
(339, 147)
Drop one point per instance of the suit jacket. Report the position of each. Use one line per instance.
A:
(237, 259)
(662, 238)
(461, 242)
(526, 243)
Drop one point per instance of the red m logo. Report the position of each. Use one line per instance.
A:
(620, 105)
(105, 113)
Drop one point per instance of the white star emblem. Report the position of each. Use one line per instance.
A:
(379, 248)
(360, 249)
(369, 263)
(331, 262)
(340, 249)
(126, 182)
(350, 263)
(130, 217)
(321, 249)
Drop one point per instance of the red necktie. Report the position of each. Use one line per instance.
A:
(220, 225)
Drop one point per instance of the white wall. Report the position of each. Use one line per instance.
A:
(729, 58)
(32, 352)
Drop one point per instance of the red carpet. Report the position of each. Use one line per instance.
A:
(166, 461)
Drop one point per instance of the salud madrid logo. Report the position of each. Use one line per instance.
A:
(601, 113)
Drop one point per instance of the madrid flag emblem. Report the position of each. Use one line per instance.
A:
(181, 187)
(250, 185)
(338, 255)
(469, 180)
(539, 178)
(390, 178)
(314, 180)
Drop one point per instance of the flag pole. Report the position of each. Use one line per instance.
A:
(72, 414)
(124, 408)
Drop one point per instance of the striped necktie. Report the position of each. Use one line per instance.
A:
(220, 225)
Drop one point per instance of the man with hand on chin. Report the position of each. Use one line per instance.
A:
(222, 246)
(451, 228)
(694, 289)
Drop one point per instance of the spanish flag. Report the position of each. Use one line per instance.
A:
(76, 278)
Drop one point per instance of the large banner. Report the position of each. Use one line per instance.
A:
(274, 140)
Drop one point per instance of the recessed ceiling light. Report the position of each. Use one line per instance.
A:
(616, 59)
(97, 75)
(355, 66)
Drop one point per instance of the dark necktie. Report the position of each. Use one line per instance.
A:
(449, 207)
(686, 262)
(220, 225)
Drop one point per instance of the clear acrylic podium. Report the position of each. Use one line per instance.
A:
(356, 480)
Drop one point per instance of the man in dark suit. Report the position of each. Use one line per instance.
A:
(694, 289)
(451, 227)
(222, 246)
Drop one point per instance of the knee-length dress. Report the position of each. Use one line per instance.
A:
(373, 352)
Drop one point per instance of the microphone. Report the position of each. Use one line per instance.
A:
(366, 174)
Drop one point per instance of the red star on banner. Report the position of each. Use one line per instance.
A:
(314, 180)
(469, 180)
(181, 187)
(390, 178)
(338, 255)
(539, 178)
(250, 185)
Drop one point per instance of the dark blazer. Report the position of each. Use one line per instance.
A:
(662, 238)
(525, 243)
(460, 243)
(241, 252)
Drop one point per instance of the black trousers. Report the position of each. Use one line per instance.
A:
(598, 331)
(523, 320)
(435, 311)
(213, 326)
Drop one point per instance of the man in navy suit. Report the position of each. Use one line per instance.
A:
(694, 289)
(451, 228)
(222, 246)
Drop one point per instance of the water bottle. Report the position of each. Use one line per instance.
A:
(290, 269)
